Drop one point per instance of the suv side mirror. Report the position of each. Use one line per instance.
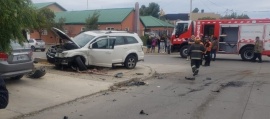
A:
(91, 46)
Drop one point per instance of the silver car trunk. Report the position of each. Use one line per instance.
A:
(19, 54)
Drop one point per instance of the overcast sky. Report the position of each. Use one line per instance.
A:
(254, 8)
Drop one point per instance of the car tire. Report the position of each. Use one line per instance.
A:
(130, 62)
(80, 64)
(17, 77)
(247, 54)
(183, 51)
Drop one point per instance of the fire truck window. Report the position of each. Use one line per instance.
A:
(181, 28)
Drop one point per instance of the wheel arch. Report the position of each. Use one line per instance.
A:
(248, 45)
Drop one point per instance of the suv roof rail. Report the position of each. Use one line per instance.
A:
(117, 32)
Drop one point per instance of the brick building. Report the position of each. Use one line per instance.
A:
(109, 19)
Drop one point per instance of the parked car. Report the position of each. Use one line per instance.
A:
(97, 48)
(37, 44)
(18, 62)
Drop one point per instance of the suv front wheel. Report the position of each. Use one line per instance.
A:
(130, 62)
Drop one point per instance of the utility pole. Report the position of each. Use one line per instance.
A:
(87, 4)
(190, 6)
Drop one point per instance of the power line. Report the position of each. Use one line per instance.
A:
(206, 5)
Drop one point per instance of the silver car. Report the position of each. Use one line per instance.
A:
(16, 63)
(37, 44)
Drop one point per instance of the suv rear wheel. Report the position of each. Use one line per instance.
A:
(130, 62)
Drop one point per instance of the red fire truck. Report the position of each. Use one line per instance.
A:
(236, 36)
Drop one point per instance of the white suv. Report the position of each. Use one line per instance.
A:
(98, 48)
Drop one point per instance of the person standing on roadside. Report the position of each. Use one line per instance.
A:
(214, 48)
(158, 43)
(258, 49)
(153, 44)
(196, 52)
(207, 56)
(162, 44)
(168, 45)
(148, 44)
(3, 94)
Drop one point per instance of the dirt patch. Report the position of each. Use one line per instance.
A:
(233, 84)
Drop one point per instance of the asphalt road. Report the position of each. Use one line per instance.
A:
(229, 89)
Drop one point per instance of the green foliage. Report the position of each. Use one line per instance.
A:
(45, 20)
(153, 9)
(92, 21)
(60, 24)
(196, 10)
(234, 15)
(144, 38)
(15, 16)
(207, 18)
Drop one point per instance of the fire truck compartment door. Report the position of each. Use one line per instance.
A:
(267, 38)
(229, 25)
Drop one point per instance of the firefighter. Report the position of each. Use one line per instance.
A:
(258, 50)
(207, 56)
(195, 52)
(190, 42)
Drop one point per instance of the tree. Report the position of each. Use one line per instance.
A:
(153, 9)
(45, 19)
(92, 21)
(196, 10)
(15, 17)
(234, 15)
(60, 24)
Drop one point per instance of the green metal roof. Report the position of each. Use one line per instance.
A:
(116, 15)
(46, 4)
(149, 21)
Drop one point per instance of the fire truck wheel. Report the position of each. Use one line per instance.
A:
(184, 51)
(247, 53)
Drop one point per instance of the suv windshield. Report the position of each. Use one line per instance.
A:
(39, 40)
(82, 39)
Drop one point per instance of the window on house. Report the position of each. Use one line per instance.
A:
(66, 31)
(83, 29)
(44, 32)
(110, 28)
(127, 29)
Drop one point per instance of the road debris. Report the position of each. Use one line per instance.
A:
(190, 78)
(233, 84)
(143, 113)
(93, 71)
(119, 75)
(140, 73)
(208, 78)
(37, 73)
(65, 117)
(136, 83)
(114, 100)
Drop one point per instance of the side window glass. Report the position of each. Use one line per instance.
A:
(131, 40)
(119, 40)
(101, 44)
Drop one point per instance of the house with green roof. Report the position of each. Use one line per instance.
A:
(55, 7)
(152, 24)
(109, 19)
